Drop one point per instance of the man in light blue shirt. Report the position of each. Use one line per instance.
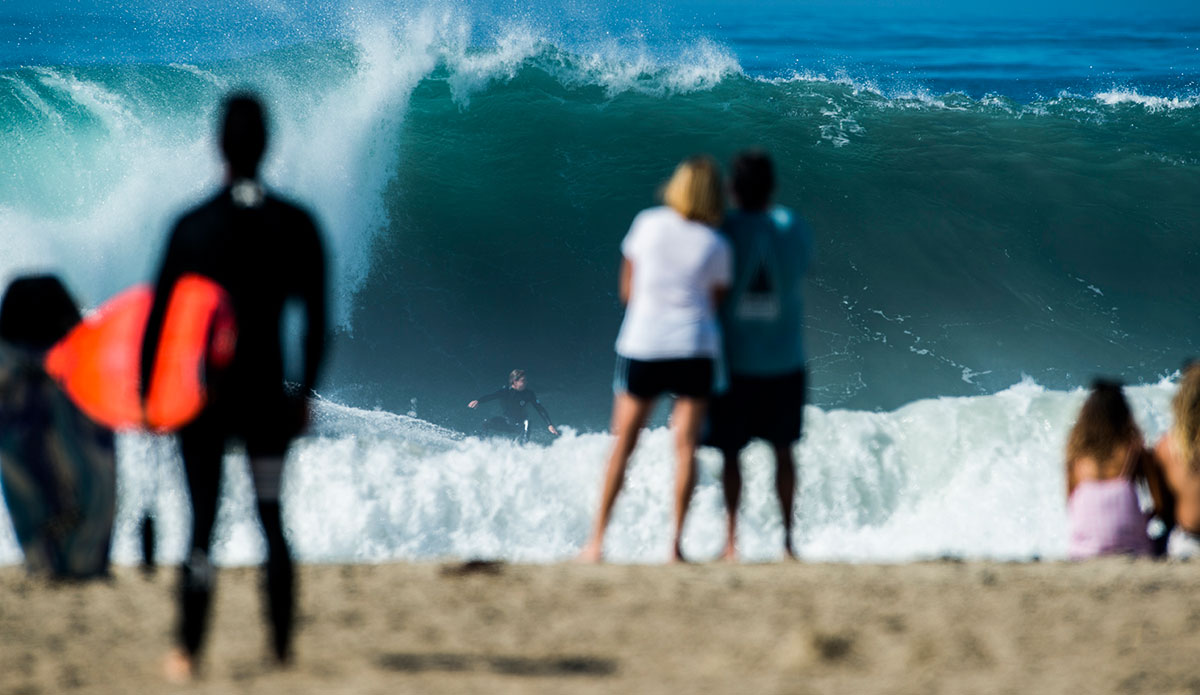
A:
(762, 318)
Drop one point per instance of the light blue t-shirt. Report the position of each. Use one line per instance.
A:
(763, 315)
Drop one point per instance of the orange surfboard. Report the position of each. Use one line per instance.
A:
(98, 363)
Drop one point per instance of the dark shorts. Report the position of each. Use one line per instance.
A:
(770, 408)
(646, 379)
(266, 426)
(504, 427)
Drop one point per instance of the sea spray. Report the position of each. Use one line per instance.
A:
(992, 197)
(974, 477)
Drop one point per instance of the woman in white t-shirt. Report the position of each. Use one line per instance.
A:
(675, 268)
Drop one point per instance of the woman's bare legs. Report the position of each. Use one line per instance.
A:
(687, 417)
(629, 415)
(785, 488)
(731, 484)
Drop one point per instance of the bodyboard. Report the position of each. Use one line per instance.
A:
(58, 470)
(98, 363)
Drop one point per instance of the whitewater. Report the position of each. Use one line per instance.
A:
(986, 245)
(949, 477)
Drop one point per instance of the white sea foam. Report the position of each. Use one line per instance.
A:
(108, 178)
(206, 75)
(921, 97)
(620, 67)
(99, 190)
(855, 84)
(110, 169)
(978, 477)
(473, 70)
(1114, 97)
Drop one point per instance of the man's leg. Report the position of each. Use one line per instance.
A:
(785, 488)
(731, 483)
(202, 452)
(501, 426)
(280, 585)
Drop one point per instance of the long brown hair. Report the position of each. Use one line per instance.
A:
(1105, 423)
(1186, 408)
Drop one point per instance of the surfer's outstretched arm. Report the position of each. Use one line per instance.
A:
(484, 399)
(537, 405)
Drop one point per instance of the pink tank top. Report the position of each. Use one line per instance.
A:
(1105, 519)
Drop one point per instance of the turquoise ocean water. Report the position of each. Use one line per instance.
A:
(1005, 204)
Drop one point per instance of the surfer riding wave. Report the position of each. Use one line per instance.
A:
(514, 399)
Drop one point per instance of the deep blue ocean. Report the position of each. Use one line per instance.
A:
(1006, 202)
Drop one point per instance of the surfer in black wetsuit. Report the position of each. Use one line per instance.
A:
(266, 253)
(513, 400)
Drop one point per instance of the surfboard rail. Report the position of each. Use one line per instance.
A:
(98, 363)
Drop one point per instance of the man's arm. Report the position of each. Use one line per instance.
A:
(485, 399)
(541, 409)
(169, 272)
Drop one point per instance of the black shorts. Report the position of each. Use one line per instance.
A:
(266, 425)
(645, 379)
(770, 408)
(502, 426)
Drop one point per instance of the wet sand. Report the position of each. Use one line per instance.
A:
(1109, 626)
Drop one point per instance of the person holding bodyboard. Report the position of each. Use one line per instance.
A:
(56, 464)
(266, 253)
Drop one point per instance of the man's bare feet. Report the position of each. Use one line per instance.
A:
(592, 554)
(178, 667)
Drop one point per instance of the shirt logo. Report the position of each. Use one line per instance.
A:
(760, 301)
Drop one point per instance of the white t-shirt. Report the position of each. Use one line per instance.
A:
(677, 264)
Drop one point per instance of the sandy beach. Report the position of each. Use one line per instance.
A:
(1108, 626)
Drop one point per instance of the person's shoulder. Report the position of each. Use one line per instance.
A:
(789, 224)
(207, 206)
(658, 211)
(785, 219)
(294, 219)
(198, 216)
(657, 215)
(288, 207)
(645, 225)
(782, 216)
(719, 238)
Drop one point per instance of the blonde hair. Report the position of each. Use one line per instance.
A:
(695, 190)
(1186, 408)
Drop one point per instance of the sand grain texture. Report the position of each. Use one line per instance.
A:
(1110, 626)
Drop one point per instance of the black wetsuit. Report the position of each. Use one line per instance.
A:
(265, 253)
(515, 421)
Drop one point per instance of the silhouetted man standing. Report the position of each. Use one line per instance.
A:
(763, 322)
(266, 253)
